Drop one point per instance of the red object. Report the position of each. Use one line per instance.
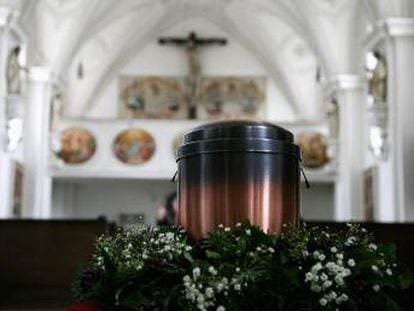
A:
(85, 306)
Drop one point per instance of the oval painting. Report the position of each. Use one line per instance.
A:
(78, 145)
(314, 149)
(134, 146)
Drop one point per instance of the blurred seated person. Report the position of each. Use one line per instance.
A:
(166, 214)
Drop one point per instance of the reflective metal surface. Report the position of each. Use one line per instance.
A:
(237, 171)
(229, 188)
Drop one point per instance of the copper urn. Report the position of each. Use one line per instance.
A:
(238, 171)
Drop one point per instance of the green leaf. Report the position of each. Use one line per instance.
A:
(406, 280)
(188, 257)
(212, 255)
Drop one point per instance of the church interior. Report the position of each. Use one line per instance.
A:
(96, 97)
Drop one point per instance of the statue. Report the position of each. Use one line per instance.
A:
(13, 72)
(377, 78)
(191, 44)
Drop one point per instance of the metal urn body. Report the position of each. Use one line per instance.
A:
(238, 171)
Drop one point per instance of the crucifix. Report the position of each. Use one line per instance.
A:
(191, 44)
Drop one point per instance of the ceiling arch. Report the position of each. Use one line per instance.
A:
(316, 27)
(226, 16)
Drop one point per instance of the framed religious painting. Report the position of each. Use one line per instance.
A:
(77, 145)
(134, 146)
(231, 98)
(314, 149)
(152, 97)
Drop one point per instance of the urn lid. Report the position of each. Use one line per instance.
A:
(231, 136)
(238, 129)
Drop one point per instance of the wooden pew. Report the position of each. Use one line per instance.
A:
(39, 259)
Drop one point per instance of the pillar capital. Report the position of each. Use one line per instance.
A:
(389, 28)
(40, 74)
(345, 82)
(398, 26)
(5, 16)
(8, 16)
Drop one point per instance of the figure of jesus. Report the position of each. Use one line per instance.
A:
(191, 44)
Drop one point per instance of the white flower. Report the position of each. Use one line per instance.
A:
(188, 248)
(374, 268)
(351, 240)
(200, 298)
(248, 231)
(316, 267)
(316, 254)
(227, 229)
(196, 272)
(237, 287)
(351, 262)
(322, 257)
(305, 253)
(339, 280)
(271, 250)
(315, 288)
(237, 269)
(308, 276)
(209, 292)
(332, 295)
(334, 249)
(323, 302)
(340, 256)
(376, 288)
(212, 270)
(190, 296)
(326, 284)
(372, 247)
(388, 271)
(341, 299)
(221, 308)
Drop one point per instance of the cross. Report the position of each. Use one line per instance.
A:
(191, 44)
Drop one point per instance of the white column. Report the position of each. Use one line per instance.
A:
(348, 90)
(37, 181)
(5, 161)
(398, 171)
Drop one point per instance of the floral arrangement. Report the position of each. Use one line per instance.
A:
(242, 268)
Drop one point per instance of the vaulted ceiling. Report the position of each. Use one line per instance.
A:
(290, 38)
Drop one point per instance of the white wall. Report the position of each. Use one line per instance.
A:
(318, 202)
(100, 197)
(231, 59)
(84, 197)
